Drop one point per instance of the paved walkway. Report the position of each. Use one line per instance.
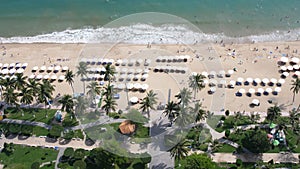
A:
(59, 155)
(31, 123)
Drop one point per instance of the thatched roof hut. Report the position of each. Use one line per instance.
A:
(127, 127)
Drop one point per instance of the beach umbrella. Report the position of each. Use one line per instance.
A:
(18, 65)
(251, 90)
(53, 77)
(13, 77)
(290, 68)
(147, 62)
(131, 62)
(137, 85)
(240, 80)
(12, 65)
(212, 73)
(65, 68)
(138, 71)
(12, 71)
(286, 74)
(221, 72)
(283, 68)
(6, 77)
(146, 71)
(131, 71)
(124, 62)
(144, 86)
(129, 77)
(24, 65)
(255, 102)
(223, 82)
(118, 62)
(296, 67)
(139, 61)
(204, 74)
(284, 59)
(121, 86)
(230, 72)
(35, 68)
(295, 60)
(249, 79)
(46, 77)
(21, 70)
(50, 68)
(4, 71)
(269, 90)
(129, 86)
(232, 83)
(105, 61)
(83, 60)
(265, 80)
(124, 70)
(273, 80)
(297, 73)
(61, 77)
(205, 81)
(213, 82)
(31, 76)
(275, 142)
(137, 77)
(57, 68)
(242, 91)
(260, 90)
(277, 89)
(134, 99)
(5, 65)
(144, 76)
(110, 61)
(212, 89)
(43, 68)
(39, 77)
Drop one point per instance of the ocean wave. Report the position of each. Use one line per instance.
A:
(144, 34)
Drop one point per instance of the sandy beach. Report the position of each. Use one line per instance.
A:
(254, 60)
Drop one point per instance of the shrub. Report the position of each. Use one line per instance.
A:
(227, 133)
(56, 130)
(203, 147)
(35, 165)
(227, 112)
(69, 152)
(26, 130)
(79, 164)
(238, 162)
(223, 118)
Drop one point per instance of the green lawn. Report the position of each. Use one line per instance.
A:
(24, 156)
(226, 149)
(40, 114)
(78, 134)
(40, 131)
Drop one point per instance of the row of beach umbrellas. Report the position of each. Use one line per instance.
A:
(260, 90)
(132, 71)
(286, 74)
(212, 74)
(132, 77)
(47, 77)
(131, 86)
(249, 80)
(131, 62)
(180, 58)
(13, 65)
(294, 60)
(290, 68)
(50, 68)
(12, 71)
(171, 69)
(97, 61)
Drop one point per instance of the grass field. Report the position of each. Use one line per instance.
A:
(28, 114)
(24, 156)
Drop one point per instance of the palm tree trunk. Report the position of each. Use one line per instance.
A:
(72, 89)
(294, 97)
(84, 87)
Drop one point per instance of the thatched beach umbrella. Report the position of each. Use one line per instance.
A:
(295, 60)
(18, 65)
(126, 127)
(204, 74)
(285, 74)
(129, 86)
(147, 62)
(230, 72)
(24, 65)
(277, 89)
(124, 62)
(43, 68)
(32, 76)
(12, 65)
(137, 77)
(144, 76)
(296, 67)
(4, 71)
(265, 80)
(12, 71)
(273, 80)
(281, 81)
(35, 68)
(146, 71)
(268, 90)
(260, 90)
(5, 65)
(118, 62)
(255, 102)
(290, 68)
(53, 77)
(242, 91)
(284, 59)
(283, 68)
(138, 71)
(249, 80)
(129, 77)
(212, 89)
(65, 68)
(21, 70)
(144, 86)
(46, 77)
(121, 86)
(251, 90)
(50, 68)
(61, 77)
(38, 77)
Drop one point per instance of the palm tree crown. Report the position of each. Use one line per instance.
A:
(67, 103)
(109, 72)
(273, 113)
(69, 76)
(180, 150)
(82, 72)
(148, 102)
(295, 87)
(196, 83)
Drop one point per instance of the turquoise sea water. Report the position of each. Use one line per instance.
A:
(234, 18)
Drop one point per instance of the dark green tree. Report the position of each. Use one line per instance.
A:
(256, 141)
(197, 161)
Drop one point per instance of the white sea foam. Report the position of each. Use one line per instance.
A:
(143, 34)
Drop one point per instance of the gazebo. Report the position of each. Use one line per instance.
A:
(127, 127)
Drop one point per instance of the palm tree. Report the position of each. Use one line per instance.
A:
(81, 104)
(10, 97)
(215, 145)
(109, 72)
(26, 96)
(46, 90)
(200, 114)
(184, 97)
(180, 150)
(254, 117)
(34, 86)
(294, 118)
(20, 81)
(295, 87)
(69, 76)
(196, 83)
(94, 89)
(67, 103)
(171, 110)
(273, 113)
(148, 102)
(109, 104)
(82, 72)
